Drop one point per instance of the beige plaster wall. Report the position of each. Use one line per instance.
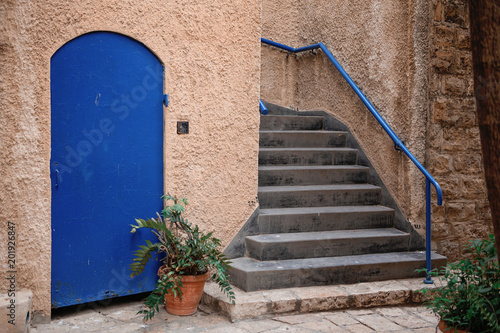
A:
(211, 53)
(382, 45)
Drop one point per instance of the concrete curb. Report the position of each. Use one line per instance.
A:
(258, 304)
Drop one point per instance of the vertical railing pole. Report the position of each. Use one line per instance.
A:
(428, 278)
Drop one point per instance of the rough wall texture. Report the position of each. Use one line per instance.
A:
(412, 60)
(454, 151)
(211, 53)
(382, 45)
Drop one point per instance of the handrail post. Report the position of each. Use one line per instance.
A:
(428, 278)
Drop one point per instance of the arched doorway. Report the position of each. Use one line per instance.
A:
(106, 164)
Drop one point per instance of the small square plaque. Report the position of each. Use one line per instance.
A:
(183, 127)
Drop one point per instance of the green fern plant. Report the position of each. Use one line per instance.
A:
(183, 249)
(470, 299)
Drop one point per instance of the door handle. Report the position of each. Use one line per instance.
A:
(57, 178)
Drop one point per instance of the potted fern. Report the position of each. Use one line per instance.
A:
(469, 301)
(189, 258)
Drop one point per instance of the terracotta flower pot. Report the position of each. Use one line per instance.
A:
(192, 290)
(444, 328)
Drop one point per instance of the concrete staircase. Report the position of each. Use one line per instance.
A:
(320, 221)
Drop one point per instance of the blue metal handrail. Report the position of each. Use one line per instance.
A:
(262, 107)
(398, 144)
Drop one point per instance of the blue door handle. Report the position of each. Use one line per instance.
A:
(57, 178)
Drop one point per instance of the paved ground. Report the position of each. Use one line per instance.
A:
(122, 318)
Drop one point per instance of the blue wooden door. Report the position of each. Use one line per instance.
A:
(106, 164)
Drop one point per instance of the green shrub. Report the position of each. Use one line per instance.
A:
(470, 299)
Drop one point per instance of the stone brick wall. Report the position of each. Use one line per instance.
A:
(454, 154)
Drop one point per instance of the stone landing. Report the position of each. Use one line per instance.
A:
(292, 301)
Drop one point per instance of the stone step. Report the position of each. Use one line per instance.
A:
(296, 139)
(306, 219)
(318, 195)
(312, 175)
(326, 243)
(290, 123)
(329, 299)
(307, 156)
(249, 274)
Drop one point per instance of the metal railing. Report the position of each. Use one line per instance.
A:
(398, 144)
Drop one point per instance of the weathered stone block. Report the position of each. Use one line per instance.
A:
(474, 187)
(463, 64)
(438, 213)
(483, 210)
(438, 11)
(444, 36)
(454, 12)
(463, 39)
(450, 186)
(440, 163)
(452, 111)
(450, 248)
(460, 139)
(441, 231)
(455, 85)
(460, 211)
(442, 61)
(469, 162)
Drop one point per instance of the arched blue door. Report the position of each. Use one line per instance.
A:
(106, 164)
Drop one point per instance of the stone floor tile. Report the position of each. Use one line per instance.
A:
(125, 328)
(284, 328)
(360, 312)
(257, 326)
(341, 318)
(299, 319)
(411, 321)
(392, 311)
(378, 323)
(321, 326)
(425, 315)
(358, 328)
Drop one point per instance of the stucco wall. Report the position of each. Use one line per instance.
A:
(383, 47)
(211, 53)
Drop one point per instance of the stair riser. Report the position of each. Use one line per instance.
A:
(319, 198)
(274, 224)
(325, 248)
(302, 140)
(271, 123)
(305, 277)
(312, 177)
(308, 158)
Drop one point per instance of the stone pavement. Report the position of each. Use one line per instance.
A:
(122, 318)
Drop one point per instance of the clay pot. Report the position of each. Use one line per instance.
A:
(444, 328)
(192, 290)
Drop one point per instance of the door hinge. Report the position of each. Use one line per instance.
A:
(165, 99)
